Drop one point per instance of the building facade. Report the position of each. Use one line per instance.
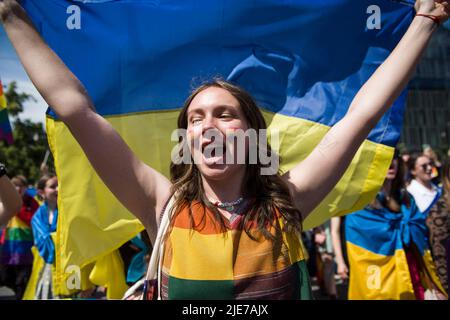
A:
(427, 116)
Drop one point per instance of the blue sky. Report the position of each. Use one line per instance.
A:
(11, 69)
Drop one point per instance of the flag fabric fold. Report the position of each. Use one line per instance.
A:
(302, 60)
(379, 246)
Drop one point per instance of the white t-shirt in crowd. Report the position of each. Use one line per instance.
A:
(423, 196)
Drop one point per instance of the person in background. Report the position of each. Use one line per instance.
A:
(438, 222)
(421, 187)
(10, 204)
(44, 227)
(437, 165)
(138, 251)
(16, 241)
(406, 155)
(387, 246)
(325, 251)
(10, 200)
(447, 250)
(340, 255)
(336, 230)
(308, 239)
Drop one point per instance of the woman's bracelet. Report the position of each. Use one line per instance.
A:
(434, 18)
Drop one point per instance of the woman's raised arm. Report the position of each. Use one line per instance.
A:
(311, 180)
(141, 189)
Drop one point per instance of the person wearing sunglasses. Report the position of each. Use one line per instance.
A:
(421, 187)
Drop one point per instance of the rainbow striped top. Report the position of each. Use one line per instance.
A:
(17, 238)
(202, 262)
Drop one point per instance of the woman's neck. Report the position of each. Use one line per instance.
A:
(51, 206)
(224, 190)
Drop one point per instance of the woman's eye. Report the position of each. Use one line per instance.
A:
(195, 120)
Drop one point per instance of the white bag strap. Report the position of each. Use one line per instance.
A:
(154, 266)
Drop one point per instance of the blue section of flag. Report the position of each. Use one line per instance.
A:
(383, 232)
(300, 58)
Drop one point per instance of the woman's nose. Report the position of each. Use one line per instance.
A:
(208, 124)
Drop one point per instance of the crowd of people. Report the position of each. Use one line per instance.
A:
(415, 202)
(416, 191)
(213, 241)
(28, 221)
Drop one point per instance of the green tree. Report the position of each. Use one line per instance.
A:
(30, 145)
(16, 99)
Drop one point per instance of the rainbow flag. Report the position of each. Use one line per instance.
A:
(302, 60)
(376, 242)
(16, 239)
(5, 125)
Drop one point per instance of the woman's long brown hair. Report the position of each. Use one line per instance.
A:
(398, 194)
(268, 192)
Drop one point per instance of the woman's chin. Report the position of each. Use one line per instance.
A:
(218, 171)
(215, 171)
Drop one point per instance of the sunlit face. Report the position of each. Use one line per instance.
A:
(393, 169)
(214, 111)
(423, 169)
(50, 192)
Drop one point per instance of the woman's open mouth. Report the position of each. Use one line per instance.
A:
(213, 153)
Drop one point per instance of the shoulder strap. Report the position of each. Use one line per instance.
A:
(154, 266)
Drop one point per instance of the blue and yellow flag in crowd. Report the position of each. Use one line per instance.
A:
(5, 125)
(302, 60)
(381, 247)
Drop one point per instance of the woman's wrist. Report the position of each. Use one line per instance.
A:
(429, 18)
(424, 23)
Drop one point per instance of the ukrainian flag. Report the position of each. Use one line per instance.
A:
(377, 241)
(302, 60)
(5, 126)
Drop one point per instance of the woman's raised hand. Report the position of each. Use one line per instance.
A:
(438, 8)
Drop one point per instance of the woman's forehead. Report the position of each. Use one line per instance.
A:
(52, 181)
(422, 159)
(211, 98)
